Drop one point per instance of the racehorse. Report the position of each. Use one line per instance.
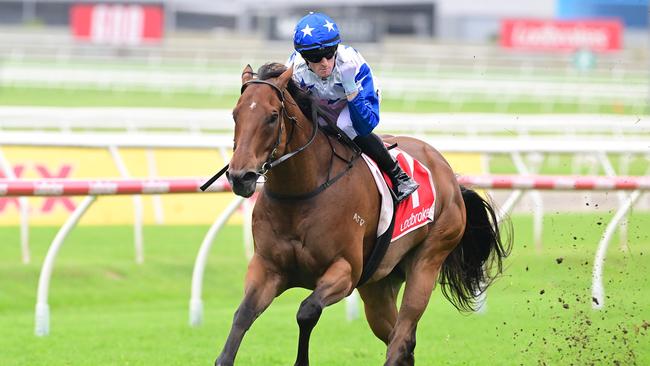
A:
(307, 231)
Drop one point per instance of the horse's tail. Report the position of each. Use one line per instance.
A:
(476, 261)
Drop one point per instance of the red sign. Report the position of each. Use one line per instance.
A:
(417, 209)
(560, 35)
(117, 24)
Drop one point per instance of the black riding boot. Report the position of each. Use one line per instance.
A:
(403, 185)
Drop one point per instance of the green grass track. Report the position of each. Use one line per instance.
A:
(106, 310)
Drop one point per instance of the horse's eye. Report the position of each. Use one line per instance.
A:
(273, 118)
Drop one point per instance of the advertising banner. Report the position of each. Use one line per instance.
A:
(561, 35)
(117, 24)
(62, 163)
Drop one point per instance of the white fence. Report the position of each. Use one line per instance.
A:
(460, 74)
(91, 189)
(516, 148)
(215, 120)
(458, 89)
(205, 130)
(392, 54)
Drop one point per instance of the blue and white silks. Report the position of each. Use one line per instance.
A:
(357, 117)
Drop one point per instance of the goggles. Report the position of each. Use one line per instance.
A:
(315, 56)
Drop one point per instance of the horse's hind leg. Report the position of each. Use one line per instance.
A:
(261, 287)
(422, 268)
(333, 286)
(380, 305)
(420, 280)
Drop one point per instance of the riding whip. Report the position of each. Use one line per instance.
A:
(214, 178)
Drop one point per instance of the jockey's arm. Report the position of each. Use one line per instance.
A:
(364, 103)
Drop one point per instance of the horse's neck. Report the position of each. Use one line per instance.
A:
(301, 173)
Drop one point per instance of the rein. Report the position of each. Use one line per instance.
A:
(272, 162)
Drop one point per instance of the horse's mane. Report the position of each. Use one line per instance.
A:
(305, 101)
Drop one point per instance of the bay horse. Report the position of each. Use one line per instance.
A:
(306, 236)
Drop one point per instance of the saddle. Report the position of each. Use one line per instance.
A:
(397, 220)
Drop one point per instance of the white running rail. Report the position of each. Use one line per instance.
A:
(637, 185)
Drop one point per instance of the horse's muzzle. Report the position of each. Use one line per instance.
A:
(243, 182)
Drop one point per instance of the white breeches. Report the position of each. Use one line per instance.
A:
(345, 123)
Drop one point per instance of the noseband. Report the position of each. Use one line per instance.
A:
(271, 161)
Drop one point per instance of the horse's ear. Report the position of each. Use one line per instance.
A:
(247, 74)
(284, 78)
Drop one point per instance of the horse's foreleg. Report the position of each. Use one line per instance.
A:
(380, 305)
(333, 286)
(261, 287)
(420, 280)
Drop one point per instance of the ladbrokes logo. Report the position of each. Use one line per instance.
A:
(417, 209)
(595, 35)
(550, 36)
(416, 218)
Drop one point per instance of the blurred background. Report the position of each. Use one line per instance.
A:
(145, 89)
(558, 69)
(545, 56)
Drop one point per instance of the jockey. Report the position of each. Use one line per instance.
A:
(342, 81)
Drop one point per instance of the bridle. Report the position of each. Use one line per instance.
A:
(271, 161)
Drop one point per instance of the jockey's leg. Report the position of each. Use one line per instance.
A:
(403, 185)
(335, 284)
(261, 287)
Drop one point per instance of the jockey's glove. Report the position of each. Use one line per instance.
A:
(348, 71)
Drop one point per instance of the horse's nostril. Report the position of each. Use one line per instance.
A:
(243, 182)
(250, 176)
(242, 177)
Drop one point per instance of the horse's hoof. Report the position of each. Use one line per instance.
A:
(219, 362)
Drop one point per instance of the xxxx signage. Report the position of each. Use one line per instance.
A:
(47, 204)
(76, 163)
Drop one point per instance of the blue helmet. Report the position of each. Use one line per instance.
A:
(315, 31)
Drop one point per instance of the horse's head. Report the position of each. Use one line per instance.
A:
(259, 115)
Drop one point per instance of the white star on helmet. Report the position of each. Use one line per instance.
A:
(329, 26)
(307, 30)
